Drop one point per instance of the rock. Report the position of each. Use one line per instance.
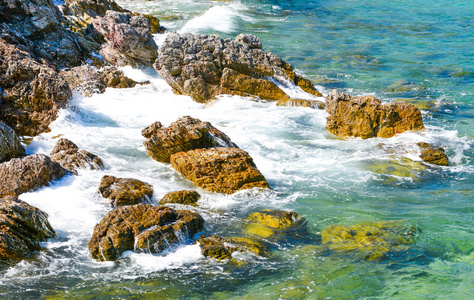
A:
(115, 78)
(22, 228)
(203, 67)
(221, 170)
(29, 173)
(10, 146)
(222, 248)
(68, 155)
(395, 167)
(301, 102)
(154, 22)
(125, 191)
(181, 197)
(433, 154)
(142, 228)
(128, 38)
(89, 9)
(32, 92)
(370, 241)
(268, 221)
(183, 135)
(366, 117)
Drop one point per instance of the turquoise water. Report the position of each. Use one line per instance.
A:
(420, 52)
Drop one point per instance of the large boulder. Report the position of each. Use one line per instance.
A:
(203, 67)
(222, 169)
(183, 135)
(142, 228)
(22, 228)
(32, 92)
(29, 173)
(128, 39)
(125, 191)
(181, 197)
(222, 247)
(10, 146)
(70, 157)
(367, 117)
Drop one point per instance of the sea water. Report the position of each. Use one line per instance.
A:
(419, 52)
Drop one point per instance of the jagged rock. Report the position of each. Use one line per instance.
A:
(301, 102)
(128, 38)
(22, 228)
(268, 221)
(10, 146)
(68, 155)
(32, 92)
(221, 170)
(204, 66)
(183, 135)
(125, 191)
(115, 78)
(29, 173)
(366, 117)
(222, 248)
(89, 9)
(142, 228)
(433, 154)
(181, 197)
(154, 22)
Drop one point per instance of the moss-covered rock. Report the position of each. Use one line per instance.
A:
(268, 221)
(181, 197)
(222, 248)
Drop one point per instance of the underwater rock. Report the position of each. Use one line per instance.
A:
(68, 155)
(183, 135)
(22, 228)
(221, 170)
(433, 154)
(301, 102)
(366, 117)
(181, 197)
(142, 228)
(10, 146)
(125, 191)
(394, 167)
(370, 241)
(29, 173)
(203, 67)
(222, 248)
(269, 221)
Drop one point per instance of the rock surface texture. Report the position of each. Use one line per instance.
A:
(125, 191)
(221, 170)
(141, 228)
(433, 154)
(204, 66)
(29, 173)
(222, 248)
(10, 146)
(183, 135)
(181, 197)
(366, 117)
(22, 228)
(268, 222)
(70, 157)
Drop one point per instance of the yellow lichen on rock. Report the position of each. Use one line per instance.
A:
(268, 221)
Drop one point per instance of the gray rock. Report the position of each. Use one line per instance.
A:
(10, 146)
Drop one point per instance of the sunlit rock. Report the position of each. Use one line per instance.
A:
(395, 167)
(433, 154)
(268, 222)
(125, 191)
(10, 146)
(70, 157)
(181, 197)
(222, 247)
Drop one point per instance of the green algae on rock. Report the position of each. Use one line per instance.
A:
(222, 248)
(269, 221)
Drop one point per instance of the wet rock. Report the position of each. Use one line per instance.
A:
(433, 154)
(301, 102)
(203, 67)
(395, 167)
(370, 241)
(366, 117)
(10, 146)
(125, 191)
(181, 197)
(22, 228)
(128, 38)
(89, 9)
(70, 157)
(142, 228)
(221, 170)
(183, 135)
(222, 248)
(32, 92)
(29, 173)
(268, 222)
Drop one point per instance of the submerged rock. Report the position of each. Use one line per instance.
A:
(22, 228)
(222, 248)
(366, 117)
(181, 197)
(142, 228)
(125, 191)
(29, 173)
(183, 135)
(268, 221)
(203, 67)
(221, 170)
(68, 155)
(10, 146)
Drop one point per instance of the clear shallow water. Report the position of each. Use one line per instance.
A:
(392, 49)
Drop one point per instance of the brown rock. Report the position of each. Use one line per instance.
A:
(142, 228)
(29, 173)
(222, 170)
(154, 22)
(433, 154)
(301, 102)
(22, 228)
(366, 117)
(125, 191)
(185, 134)
(181, 197)
(222, 248)
(10, 146)
(68, 155)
